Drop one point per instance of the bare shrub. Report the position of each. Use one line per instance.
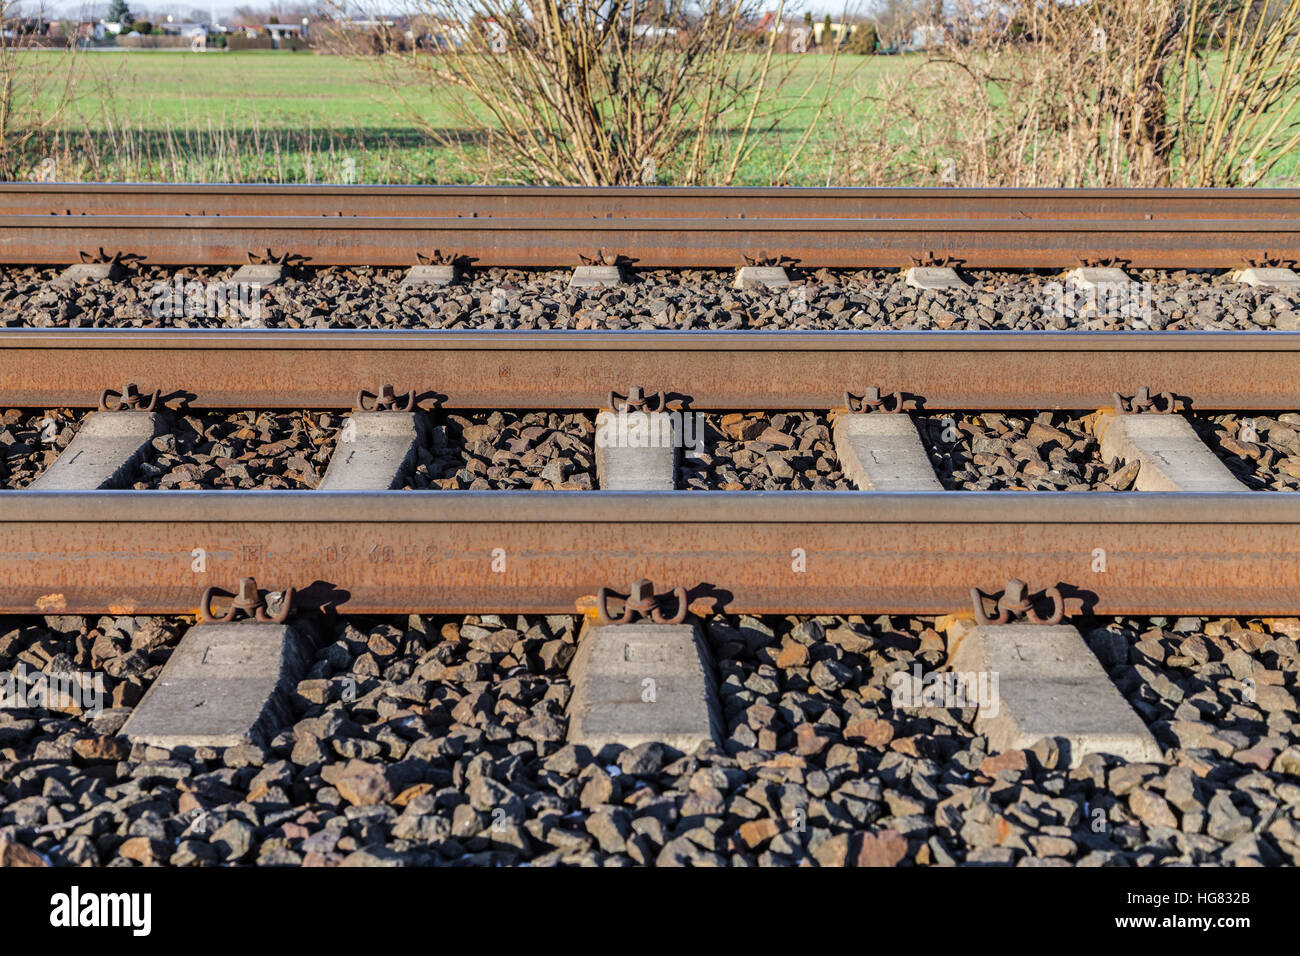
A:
(37, 82)
(598, 93)
(1144, 93)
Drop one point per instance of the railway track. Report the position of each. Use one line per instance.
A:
(650, 228)
(921, 552)
(439, 202)
(482, 594)
(264, 368)
(652, 243)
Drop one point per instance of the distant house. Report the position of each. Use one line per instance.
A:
(498, 41)
(80, 28)
(927, 36)
(838, 32)
(185, 29)
(280, 30)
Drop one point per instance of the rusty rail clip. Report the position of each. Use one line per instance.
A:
(440, 258)
(769, 260)
(1265, 260)
(1015, 602)
(117, 258)
(603, 257)
(129, 398)
(932, 260)
(386, 401)
(640, 602)
(1095, 261)
(1144, 402)
(250, 601)
(873, 401)
(268, 258)
(636, 401)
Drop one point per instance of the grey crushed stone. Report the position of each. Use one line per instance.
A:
(1269, 463)
(481, 451)
(773, 451)
(366, 297)
(24, 451)
(440, 741)
(243, 450)
(993, 451)
(763, 451)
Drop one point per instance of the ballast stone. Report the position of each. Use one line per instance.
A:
(104, 453)
(638, 683)
(80, 272)
(225, 684)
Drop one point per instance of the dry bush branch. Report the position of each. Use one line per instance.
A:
(1129, 93)
(37, 84)
(593, 93)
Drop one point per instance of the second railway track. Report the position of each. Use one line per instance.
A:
(657, 227)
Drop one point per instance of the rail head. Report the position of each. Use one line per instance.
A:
(972, 508)
(650, 340)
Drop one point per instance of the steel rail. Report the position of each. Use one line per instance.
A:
(175, 199)
(555, 369)
(433, 552)
(650, 242)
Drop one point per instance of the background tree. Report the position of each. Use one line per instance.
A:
(863, 39)
(119, 12)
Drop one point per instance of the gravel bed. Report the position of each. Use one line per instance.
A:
(763, 451)
(1267, 461)
(31, 440)
(263, 450)
(541, 451)
(757, 451)
(440, 741)
(1223, 695)
(993, 451)
(655, 299)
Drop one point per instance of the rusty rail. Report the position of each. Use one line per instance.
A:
(394, 552)
(179, 199)
(261, 368)
(651, 242)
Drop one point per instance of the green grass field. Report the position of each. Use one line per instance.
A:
(293, 117)
(278, 116)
